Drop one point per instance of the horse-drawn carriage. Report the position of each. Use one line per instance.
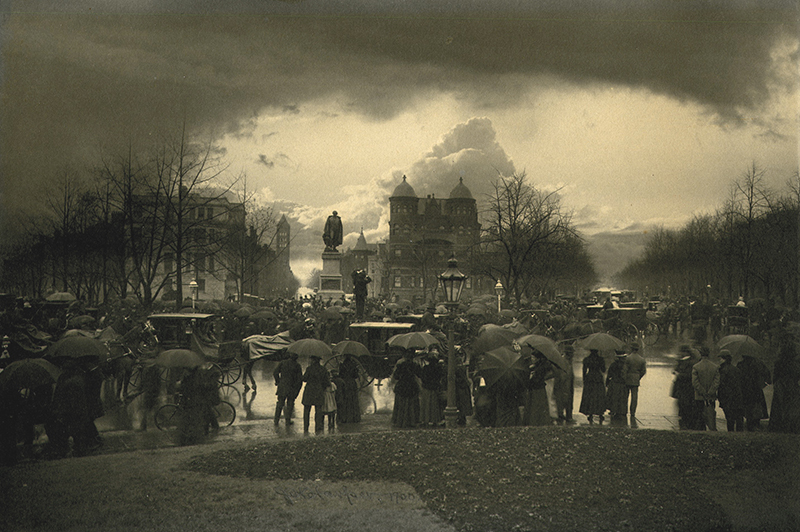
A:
(379, 360)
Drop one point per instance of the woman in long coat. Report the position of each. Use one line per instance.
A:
(593, 399)
(406, 393)
(350, 411)
(537, 407)
(432, 375)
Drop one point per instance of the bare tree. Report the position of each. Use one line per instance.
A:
(524, 226)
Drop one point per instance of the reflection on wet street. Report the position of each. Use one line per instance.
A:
(121, 426)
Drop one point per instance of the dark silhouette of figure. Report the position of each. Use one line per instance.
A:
(360, 282)
(730, 392)
(332, 234)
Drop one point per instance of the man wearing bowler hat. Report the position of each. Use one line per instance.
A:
(317, 379)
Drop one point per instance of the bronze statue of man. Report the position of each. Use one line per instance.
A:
(332, 234)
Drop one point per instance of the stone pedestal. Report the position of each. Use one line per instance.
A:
(330, 280)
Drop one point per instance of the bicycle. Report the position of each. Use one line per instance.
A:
(168, 415)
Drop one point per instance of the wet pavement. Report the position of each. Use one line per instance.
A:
(121, 427)
(255, 410)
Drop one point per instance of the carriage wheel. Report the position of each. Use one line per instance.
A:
(628, 333)
(229, 374)
(226, 414)
(167, 417)
(651, 334)
(230, 394)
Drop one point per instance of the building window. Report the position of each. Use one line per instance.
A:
(397, 252)
(421, 282)
(398, 282)
(468, 284)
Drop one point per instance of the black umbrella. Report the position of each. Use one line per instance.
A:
(504, 363)
(28, 373)
(78, 347)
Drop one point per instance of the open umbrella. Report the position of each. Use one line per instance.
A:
(602, 342)
(244, 312)
(517, 327)
(308, 347)
(476, 310)
(350, 347)
(263, 314)
(742, 345)
(78, 347)
(61, 296)
(79, 321)
(545, 346)
(492, 336)
(28, 373)
(179, 358)
(412, 340)
(504, 363)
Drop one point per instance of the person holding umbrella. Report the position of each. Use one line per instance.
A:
(288, 380)
(616, 389)
(317, 380)
(406, 409)
(537, 406)
(593, 399)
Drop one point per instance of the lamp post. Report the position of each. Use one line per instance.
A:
(498, 289)
(193, 286)
(452, 281)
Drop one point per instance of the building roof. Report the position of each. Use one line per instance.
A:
(461, 191)
(403, 190)
(361, 244)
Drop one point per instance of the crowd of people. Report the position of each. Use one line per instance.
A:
(419, 379)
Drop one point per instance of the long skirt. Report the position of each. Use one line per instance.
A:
(406, 411)
(350, 411)
(537, 408)
(617, 399)
(593, 399)
(430, 412)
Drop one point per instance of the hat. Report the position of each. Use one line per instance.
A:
(726, 355)
(621, 354)
(634, 347)
(315, 356)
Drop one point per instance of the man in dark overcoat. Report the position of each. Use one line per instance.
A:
(317, 380)
(288, 379)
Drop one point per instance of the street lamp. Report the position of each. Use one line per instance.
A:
(452, 281)
(498, 289)
(194, 286)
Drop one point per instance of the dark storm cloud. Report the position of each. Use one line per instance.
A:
(76, 85)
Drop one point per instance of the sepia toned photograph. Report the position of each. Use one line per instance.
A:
(419, 266)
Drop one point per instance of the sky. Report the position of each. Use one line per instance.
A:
(639, 116)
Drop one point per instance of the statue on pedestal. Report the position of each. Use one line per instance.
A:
(332, 234)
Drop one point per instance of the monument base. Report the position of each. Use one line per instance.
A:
(330, 280)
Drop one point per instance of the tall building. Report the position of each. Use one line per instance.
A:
(423, 233)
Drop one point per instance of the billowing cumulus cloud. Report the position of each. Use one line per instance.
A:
(469, 150)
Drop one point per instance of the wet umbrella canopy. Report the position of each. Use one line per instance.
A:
(28, 373)
(179, 358)
(547, 347)
(504, 363)
(413, 340)
(308, 347)
(603, 342)
(349, 347)
(78, 347)
(263, 314)
(493, 336)
(742, 345)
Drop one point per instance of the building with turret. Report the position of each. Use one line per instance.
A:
(423, 233)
